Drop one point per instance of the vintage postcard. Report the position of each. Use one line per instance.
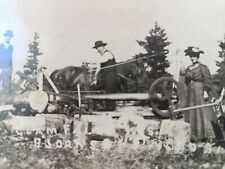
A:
(112, 84)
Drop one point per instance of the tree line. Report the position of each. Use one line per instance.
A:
(156, 42)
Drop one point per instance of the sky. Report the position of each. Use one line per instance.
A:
(69, 28)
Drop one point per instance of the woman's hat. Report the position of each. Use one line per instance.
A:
(9, 33)
(99, 44)
(192, 50)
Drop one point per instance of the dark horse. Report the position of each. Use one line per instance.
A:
(66, 79)
(130, 76)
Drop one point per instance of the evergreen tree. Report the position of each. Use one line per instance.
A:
(219, 76)
(156, 43)
(30, 68)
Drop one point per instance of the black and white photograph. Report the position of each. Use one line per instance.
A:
(112, 84)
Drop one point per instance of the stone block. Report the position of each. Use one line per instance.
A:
(79, 131)
(179, 131)
(101, 124)
(53, 120)
(24, 123)
(38, 122)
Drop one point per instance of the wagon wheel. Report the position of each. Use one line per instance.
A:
(165, 92)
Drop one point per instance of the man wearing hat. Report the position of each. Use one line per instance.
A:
(106, 76)
(199, 80)
(6, 51)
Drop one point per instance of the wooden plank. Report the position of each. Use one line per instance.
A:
(118, 96)
(114, 114)
(50, 81)
(63, 96)
(6, 107)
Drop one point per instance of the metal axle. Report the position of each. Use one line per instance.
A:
(194, 107)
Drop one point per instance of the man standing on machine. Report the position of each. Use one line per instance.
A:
(106, 76)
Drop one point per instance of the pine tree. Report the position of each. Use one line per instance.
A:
(30, 68)
(156, 43)
(219, 76)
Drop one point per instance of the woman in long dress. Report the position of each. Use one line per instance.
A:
(198, 80)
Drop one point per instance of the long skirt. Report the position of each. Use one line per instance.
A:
(199, 119)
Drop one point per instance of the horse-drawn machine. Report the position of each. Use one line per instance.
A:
(165, 95)
(46, 93)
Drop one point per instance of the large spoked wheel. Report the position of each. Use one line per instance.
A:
(166, 93)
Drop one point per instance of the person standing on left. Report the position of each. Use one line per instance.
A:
(6, 52)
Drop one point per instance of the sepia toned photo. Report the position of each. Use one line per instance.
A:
(87, 84)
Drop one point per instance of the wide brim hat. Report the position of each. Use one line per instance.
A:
(99, 44)
(193, 50)
(9, 33)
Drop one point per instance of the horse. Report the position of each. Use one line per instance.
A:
(66, 79)
(132, 76)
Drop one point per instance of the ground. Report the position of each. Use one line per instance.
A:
(155, 154)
